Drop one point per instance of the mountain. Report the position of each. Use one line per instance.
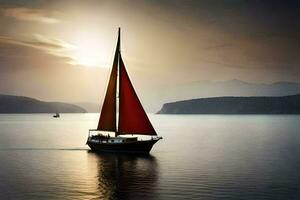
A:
(204, 89)
(235, 105)
(200, 89)
(89, 106)
(20, 104)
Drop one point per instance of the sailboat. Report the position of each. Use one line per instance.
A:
(56, 115)
(131, 120)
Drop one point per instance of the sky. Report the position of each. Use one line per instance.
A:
(63, 50)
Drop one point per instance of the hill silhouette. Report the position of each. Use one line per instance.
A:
(20, 104)
(235, 105)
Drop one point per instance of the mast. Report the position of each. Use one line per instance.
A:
(118, 81)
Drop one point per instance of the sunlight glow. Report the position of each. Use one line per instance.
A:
(87, 54)
(91, 49)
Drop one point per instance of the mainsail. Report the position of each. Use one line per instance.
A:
(132, 116)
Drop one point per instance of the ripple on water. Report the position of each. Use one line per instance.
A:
(200, 157)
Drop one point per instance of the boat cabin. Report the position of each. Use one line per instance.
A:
(100, 138)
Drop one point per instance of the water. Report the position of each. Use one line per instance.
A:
(200, 157)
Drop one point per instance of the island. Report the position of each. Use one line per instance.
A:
(235, 105)
(20, 104)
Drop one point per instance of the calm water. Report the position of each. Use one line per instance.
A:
(200, 157)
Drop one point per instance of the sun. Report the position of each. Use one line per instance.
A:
(91, 49)
(91, 52)
(88, 54)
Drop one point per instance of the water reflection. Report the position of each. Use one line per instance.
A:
(126, 176)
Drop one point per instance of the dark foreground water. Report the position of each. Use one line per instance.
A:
(201, 157)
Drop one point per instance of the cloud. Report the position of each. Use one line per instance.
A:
(51, 46)
(29, 14)
(39, 42)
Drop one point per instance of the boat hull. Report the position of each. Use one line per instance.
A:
(138, 147)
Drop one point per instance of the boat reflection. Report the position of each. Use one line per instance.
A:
(126, 176)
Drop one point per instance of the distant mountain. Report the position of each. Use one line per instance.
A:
(19, 104)
(204, 89)
(89, 106)
(233, 88)
(235, 105)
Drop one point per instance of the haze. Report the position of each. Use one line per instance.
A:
(63, 50)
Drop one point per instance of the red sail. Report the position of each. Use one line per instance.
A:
(107, 121)
(132, 117)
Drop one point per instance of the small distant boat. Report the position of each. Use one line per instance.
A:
(132, 118)
(56, 115)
